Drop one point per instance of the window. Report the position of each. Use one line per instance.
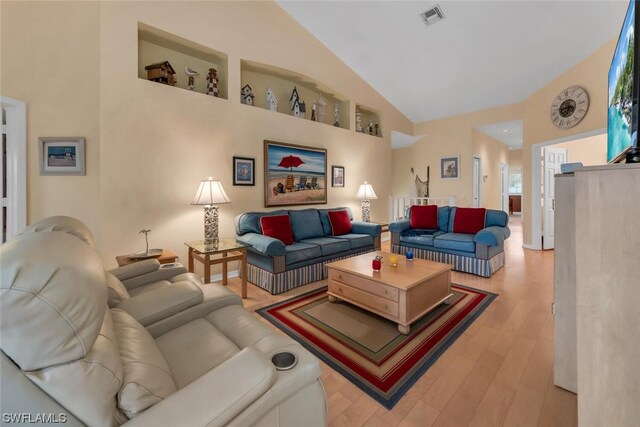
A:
(515, 182)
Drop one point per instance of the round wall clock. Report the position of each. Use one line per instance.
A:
(569, 107)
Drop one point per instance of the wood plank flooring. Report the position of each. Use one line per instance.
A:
(499, 372)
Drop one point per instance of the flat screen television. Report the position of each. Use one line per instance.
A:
(622, 123)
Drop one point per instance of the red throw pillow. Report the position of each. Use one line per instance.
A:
(469, 220)
(278, 227)
(424, 217)
(340, 222)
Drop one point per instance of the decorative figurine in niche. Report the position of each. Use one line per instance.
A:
(336, 113)
(212, 83)
(191, 73)
(377, 129)
(321, 110)
(272, 101)
(370, 128)
(298, 109)
(358, 120)
(246, 95)
(161, 72)
(313, 111)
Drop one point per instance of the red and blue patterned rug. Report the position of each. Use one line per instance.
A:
(367, 349)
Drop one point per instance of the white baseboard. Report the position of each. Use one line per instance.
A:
(218, 277)
(531, 247)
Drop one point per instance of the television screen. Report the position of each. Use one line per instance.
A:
(621, 123)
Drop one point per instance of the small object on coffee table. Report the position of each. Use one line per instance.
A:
(376, 264)
(409, 255)
(393, 261)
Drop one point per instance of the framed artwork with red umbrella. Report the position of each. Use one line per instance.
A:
(294, 174)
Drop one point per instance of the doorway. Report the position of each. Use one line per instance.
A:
(504, 186)
(13, 167)
(477, 182)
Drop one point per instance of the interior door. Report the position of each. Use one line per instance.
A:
(504, 179)
(553, 158)
(476, 182)
(3, 173)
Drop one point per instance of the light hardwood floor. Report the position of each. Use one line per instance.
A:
(499, 372)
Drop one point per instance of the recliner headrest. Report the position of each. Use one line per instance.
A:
(65, 224)
(52, 299)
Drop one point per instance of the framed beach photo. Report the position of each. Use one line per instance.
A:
(450, 167)
(244, 169)
(294, 175)
(337, 176)
(61, 155)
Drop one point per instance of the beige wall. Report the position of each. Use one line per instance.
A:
(453, 136)
(515, 158)
(589, 151)
(149, 145)
(54, 68)
(492, 154)
(591, 74)
(402, 179)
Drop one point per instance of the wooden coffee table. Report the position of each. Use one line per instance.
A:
(402, 294)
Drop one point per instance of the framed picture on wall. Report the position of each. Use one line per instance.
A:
(244, 169)
(61, 155)
(337, 176)
(294, 174)
(450, 167)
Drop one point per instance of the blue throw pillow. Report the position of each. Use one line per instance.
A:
(306, 224)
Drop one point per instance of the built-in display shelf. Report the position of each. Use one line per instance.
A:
(156, 46)
(282, 82)
(368, 117)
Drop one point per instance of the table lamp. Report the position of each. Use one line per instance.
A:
(210, 193)
(366, 193)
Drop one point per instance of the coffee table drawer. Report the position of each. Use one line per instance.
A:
(366, 285)
(357, 296)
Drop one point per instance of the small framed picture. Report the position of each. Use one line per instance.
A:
(61, 155)
(450, 167)
(337, 176)
(244, 171)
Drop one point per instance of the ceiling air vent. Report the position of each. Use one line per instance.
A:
(432, 15)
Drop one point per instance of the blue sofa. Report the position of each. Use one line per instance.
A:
(481, 253)
(277, 267)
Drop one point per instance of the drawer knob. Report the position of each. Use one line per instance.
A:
(339, 276)
(384, 291)
(385, 306)
(339, 289)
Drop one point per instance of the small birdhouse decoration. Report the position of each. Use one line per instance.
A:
(246, 95)
(298, 109)
(161, 72)
(212, 83)
(336, 114)
(321, 109)
(271, 101)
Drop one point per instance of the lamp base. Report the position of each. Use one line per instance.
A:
(366, 204)
(211, 227)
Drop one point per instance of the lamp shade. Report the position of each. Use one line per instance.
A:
(365, 192)
(210, 192)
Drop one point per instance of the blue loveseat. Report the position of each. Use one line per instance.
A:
(481, 253)
(277, 267)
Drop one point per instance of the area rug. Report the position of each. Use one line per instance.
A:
(367, 349)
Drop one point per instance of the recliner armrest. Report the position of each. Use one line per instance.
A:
(150, 271)
(217, 397)
(399, 226)
(359, 227)
(263, 244)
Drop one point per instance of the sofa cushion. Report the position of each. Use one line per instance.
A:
(357, 241)
(443, 218)
(328, 245)
(455, 241)
(469, 220)
(424, 217)
(497, 218)
(301, 252)
(278, 227)
(419, 237)
(147, 377)
(324, 218)
(340, 223)
(116, 292)
(306, 224)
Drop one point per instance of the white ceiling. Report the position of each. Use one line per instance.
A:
(509, 133)
(483, 54)
(402, 140)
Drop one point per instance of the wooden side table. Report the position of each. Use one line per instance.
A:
(229, 250)
(166, 257)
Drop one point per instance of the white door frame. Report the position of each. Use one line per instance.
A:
(536, 182)
(16, 164)
(477, 176)
(504, 178)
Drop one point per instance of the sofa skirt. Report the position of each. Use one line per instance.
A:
(466, 264)
(277, 283)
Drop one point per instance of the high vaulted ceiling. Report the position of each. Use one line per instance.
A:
(483, 54)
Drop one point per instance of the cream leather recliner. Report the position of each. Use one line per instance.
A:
(66, 354)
